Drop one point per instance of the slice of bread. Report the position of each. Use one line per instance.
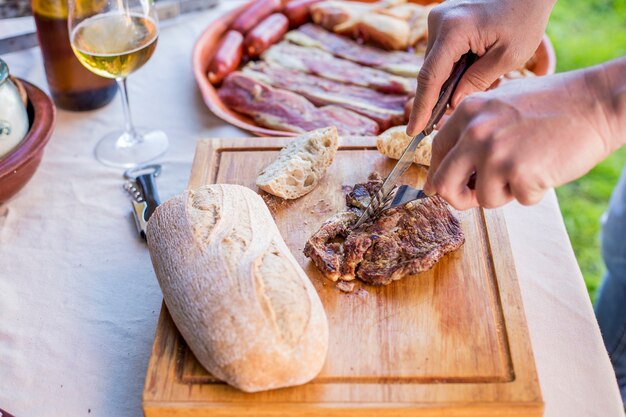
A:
(392, 142)
(301, 164)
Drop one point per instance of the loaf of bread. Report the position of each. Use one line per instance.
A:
(301, 164)
(394, 141)
(243, 304)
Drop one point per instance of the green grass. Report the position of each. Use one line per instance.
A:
(584, 33)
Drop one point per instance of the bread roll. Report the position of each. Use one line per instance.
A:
(394, 141)
(385, 30)
(419, 24)
(343, 17)
(416, 15)
(300, 165)
(243, 304)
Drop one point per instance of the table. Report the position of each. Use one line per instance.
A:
(79, 301)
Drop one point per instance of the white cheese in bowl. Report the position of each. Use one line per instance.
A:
(13, 116)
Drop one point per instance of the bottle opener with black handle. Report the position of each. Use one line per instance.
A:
(142, 188)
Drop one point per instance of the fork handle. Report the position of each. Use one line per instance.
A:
(448, 88)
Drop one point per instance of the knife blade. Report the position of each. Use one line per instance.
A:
(443, 102)
(166, 10)
(383, 194)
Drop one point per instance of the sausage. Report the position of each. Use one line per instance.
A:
(298, 11)
(265, 34)
(227, 56)
(254, 13)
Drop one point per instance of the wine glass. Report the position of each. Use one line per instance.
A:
(113, 38)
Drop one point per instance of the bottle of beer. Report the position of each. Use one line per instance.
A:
(72, 86)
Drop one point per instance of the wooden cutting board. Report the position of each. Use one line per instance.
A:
(452, 341)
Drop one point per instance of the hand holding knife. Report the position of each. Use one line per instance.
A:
(384, 195)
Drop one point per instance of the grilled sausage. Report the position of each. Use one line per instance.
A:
(254, 13)
(298, 11)
(265, 34)
(227, 56)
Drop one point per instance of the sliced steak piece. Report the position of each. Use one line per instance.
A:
(402, 63)
(284, 110)
(402, 241)
(386, 109)
(325, 248)
(319, 62)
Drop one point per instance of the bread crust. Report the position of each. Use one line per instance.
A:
(239, 298)
(300, 165)
(394, 141)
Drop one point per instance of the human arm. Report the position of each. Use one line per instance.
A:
(503, 33)
(529, 135)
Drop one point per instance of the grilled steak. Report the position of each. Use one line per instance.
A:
(402, 63)
(402, 241)
(386, 109)
(319, 62)
(284, 110)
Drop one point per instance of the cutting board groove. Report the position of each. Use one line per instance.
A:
(452, 340)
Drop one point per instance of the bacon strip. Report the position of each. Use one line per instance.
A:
(284, 110)
(386, 109)
(318, 62)
(406, 64)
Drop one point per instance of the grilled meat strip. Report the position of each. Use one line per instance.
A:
(284, 110)
(386, 109)
(318, 62)
(402, 241)
(402, 63)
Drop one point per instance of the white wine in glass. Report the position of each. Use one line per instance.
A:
(113, 39)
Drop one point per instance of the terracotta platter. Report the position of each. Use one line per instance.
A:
(543, 63)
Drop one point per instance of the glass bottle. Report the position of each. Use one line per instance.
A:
(72, 86)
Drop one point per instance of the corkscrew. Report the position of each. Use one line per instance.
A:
(141, 186)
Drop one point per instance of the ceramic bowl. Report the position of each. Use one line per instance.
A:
(543, 63)
(18, 166)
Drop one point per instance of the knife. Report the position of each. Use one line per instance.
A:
(167, 9)
(384, 194)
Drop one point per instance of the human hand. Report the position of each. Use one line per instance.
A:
(503, 33)
(528, 136)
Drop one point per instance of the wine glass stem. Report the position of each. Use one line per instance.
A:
(130, 136)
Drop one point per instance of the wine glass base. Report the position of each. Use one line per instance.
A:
(119, 150)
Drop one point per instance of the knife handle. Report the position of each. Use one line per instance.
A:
(448, 88)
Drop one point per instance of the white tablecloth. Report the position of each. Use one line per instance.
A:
(79, 302)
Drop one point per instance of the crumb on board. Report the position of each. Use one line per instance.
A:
(321, 207)
(273, 202)
(346, 286)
